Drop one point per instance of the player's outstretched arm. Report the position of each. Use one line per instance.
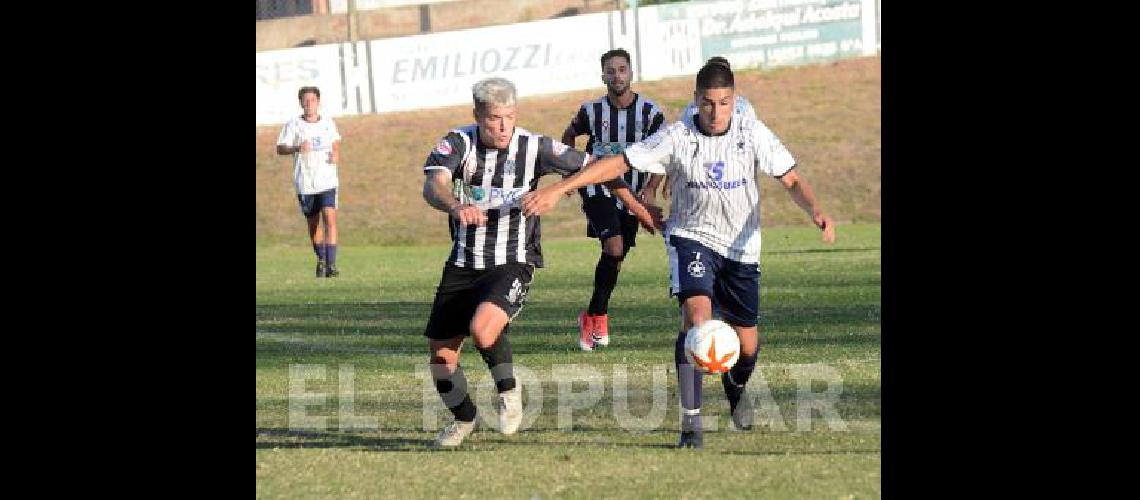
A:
(437, 192)
(544, 199)
(804, 196)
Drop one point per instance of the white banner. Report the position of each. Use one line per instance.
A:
(281, 73)
(427, 71)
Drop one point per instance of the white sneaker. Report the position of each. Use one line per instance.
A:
(510, 411)
(454, 434)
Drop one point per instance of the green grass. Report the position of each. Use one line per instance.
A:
(820, 307)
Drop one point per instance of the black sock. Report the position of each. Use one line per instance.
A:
(739, 374)
(452, 388)
(500, 361)
(322, 252)
(317, 250)
(330, 254)
(688, 385)
(605, 279)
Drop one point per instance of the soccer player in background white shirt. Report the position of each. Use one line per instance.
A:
(314, 142)
(713, 232)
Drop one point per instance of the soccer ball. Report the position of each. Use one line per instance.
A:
(712, 346)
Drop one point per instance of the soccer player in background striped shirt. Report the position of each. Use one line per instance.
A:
(713, 232)
(612, 121)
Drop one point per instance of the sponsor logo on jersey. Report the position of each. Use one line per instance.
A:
(558, 147)
(602, 149)
(443, 148)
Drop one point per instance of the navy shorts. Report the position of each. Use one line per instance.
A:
(604, 220)
(461, 290)
(733, 287)
(311, 204)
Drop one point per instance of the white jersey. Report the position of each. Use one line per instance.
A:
(312, 171)
(742, 107)
(716, 199)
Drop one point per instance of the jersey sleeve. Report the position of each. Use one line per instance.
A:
(288, 135)
(652, 153)
(656, 121)
(581, 122)
(447, 155)
(334, 132)
(772, 157)
(556, 157)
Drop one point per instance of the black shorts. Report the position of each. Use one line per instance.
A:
(461, 290)
(604, 219)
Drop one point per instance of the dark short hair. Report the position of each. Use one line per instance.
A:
(301, 93)
(719, 60)
(715, 75)
(615, 53)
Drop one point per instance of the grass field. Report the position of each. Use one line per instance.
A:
(820, 307)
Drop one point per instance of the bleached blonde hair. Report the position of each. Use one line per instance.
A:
(493, 90)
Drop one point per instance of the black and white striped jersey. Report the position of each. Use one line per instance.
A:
(611, 129)
(495, 180)
(713, 178)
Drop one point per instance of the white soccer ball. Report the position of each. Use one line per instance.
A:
(712, 346)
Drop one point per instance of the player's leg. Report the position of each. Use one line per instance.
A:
(312, 215)
(328, 216)
(738, 295)
(502, 295)
(446, 329)
(451, 384)
(604, 223)
(692, 270)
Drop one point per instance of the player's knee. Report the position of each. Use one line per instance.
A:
(612, 261)
(444, 357)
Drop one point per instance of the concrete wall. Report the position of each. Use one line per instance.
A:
(319, 29)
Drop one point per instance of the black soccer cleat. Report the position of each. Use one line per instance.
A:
(331, 272)
(741, 408)
(691, 439)
(321, 270)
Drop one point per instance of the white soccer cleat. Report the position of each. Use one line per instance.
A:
(510, 410)
(454, 434)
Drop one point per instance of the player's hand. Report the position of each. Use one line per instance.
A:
(824, 222)
(469, 214)
(305, 147)
(665, 188)
(649, 216)
(540, 201)
(333, 157)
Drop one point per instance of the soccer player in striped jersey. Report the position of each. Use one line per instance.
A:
(490, 165)
(713, 232)
(612, 121)
(314, 142)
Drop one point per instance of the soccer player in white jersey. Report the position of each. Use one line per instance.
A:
(490, 165)
(314, 142)
(713, 232)
(612, 121)
(742, 108)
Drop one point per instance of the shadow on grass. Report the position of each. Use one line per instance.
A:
(287, 438)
